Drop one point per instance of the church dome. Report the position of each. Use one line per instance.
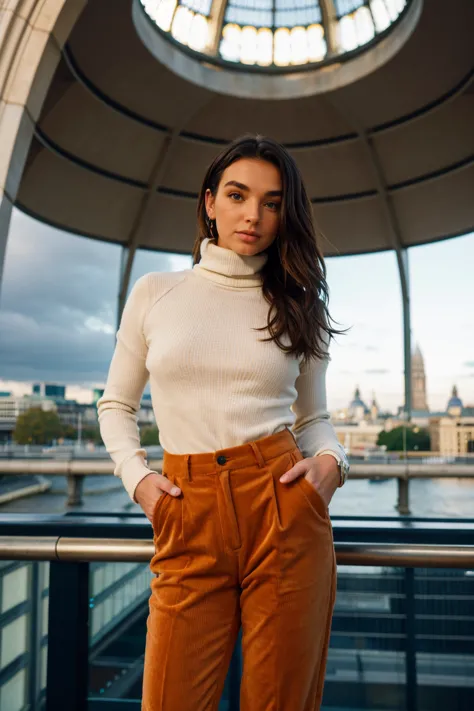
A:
(454, 400)
(358, 402)
(274, 34)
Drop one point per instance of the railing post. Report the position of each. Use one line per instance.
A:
(68, 637)
(403, 505)
(75, 485)
(411, 689)
(34, 594)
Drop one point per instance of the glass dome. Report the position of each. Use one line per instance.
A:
(273, 33)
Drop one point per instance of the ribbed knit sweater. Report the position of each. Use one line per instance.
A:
(214, 383)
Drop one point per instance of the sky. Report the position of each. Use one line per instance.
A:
(58, 315)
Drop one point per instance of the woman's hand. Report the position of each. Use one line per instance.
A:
(152, 487)
(321, 471)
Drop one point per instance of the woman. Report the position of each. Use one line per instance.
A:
(240, 515)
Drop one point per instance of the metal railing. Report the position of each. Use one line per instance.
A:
(392, 548)
(86, 550)
(75, 470)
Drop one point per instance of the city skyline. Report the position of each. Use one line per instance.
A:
(85, 395)
(58, 309)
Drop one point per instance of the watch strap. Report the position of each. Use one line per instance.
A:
(343, 465)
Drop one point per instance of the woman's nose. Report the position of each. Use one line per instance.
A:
(253, 212)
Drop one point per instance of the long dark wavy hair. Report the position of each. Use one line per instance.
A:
(294, 276)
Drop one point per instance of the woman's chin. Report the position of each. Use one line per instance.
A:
(247, 247)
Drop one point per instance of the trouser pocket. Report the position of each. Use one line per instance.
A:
(309, 492)
(160, 502)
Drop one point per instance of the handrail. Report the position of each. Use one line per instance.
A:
(359, 470)
(76, 470)
(62, 548)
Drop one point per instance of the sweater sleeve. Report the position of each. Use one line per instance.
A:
(313, 430)
(119, 405)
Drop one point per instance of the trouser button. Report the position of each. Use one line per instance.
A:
(221, 459)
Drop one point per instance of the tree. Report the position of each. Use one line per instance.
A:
(69, 432)
(149, 436)
(417, 439)
(37, 426)
(91, 434)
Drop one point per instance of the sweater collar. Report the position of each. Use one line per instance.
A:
(225, 266)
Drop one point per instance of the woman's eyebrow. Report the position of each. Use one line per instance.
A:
(236, 184)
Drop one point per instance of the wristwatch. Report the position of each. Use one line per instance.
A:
(344, 466)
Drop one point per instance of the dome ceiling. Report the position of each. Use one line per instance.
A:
(274, 33)
(123, 142)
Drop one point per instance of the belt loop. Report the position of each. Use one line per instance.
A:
(258, 454)
(188, 467)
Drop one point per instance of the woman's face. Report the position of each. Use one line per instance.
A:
(246, 206)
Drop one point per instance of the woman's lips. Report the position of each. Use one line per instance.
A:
(246, 237)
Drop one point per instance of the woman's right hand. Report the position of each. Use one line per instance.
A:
(152, 487)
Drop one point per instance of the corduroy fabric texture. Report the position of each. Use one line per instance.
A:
(238, 547)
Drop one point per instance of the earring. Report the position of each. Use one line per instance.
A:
(210, 225)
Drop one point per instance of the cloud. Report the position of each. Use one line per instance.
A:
(376, 371)
(358, 346)
(58, 304)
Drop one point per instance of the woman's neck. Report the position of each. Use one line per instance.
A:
(226, 267)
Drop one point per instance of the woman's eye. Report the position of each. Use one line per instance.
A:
(273, 205)
(235, 195)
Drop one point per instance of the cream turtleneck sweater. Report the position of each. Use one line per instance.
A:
(213, 383)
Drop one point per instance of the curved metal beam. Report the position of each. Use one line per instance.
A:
(80, 76)
(395, 236)
(216, 21)
(164, 250)
(156, 178)
(6, 207)
(329, 14)
(51, 145)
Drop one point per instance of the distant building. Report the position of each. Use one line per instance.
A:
(357, 410)
(96, 394)
(374, 410)
(455, 405)
(49, 390)
(452, 435)
(358, 437)
(12, 406)
(145, 414)
(358, 426)
(75, 413)
(69, 412)
(452, 432)
(418, 382)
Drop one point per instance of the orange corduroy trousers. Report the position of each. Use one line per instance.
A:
(239, 548)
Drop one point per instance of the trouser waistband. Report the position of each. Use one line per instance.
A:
(257, 452)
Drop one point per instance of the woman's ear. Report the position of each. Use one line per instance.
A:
(210, 201)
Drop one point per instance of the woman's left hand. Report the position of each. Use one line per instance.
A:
(321, 471)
